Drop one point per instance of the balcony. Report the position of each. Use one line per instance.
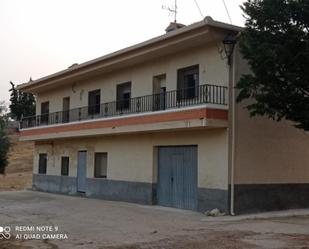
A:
(182, 98)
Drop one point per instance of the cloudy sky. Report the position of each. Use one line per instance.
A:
(40, 37)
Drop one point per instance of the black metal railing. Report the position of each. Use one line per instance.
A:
(202, 94)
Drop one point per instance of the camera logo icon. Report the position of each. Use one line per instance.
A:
(5, 232)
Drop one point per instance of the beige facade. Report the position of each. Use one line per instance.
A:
(212, 70)
(133, 157)
(266, 151)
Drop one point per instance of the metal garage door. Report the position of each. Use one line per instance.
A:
(177, 177)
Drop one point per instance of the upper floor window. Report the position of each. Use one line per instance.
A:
(65, 165)
(94, 101)
(123, 96)
(44, 112)
(100, 165)
(42, 163)
(187, 82)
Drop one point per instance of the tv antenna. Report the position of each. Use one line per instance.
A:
(172, 10)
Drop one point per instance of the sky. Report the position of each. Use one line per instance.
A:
(41, 37)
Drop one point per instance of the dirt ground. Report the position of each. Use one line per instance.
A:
(91, 223)
(18, 174)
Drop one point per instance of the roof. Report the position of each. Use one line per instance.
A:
(208, 21)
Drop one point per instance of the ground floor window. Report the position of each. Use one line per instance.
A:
(42, 163)
(65, 165)
(100, 164)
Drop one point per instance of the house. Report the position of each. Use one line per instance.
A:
(157, 123)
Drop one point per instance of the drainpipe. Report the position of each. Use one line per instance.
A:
(232, 136)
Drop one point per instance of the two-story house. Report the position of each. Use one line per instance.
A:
(157, 123)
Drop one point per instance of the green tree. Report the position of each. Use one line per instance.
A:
(4, 140)
(22, 104)
(275, 42)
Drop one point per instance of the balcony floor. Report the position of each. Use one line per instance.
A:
(202, 116)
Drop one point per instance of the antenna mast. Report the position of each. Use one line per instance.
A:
(175, 11)
(172, 10)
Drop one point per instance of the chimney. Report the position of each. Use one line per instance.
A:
(73, 65)
(174, 26)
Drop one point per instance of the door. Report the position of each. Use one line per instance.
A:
(66, 108)
(81, 171)
(177, 177)
(159, 92)
(94, 100)
(162, 98)
(44, 112)
(187, 82)
(123, 96)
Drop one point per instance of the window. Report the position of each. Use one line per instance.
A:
(65, 165)
(44, 112)
(42, 163)
(94, 101)
(187, 82)
(123, 96)
(100, 165)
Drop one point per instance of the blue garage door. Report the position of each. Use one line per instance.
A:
(177, 177)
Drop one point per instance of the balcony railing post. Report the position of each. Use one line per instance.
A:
(138, 104)
(106, 109)
(79, 114)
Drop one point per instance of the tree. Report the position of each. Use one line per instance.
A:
(4, 141)
(275, 42)
(22, 104)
